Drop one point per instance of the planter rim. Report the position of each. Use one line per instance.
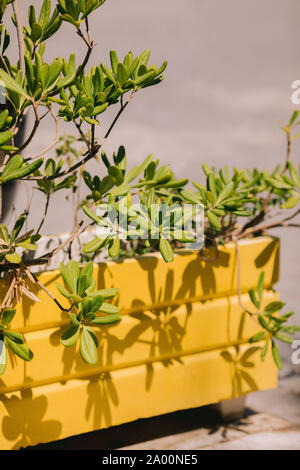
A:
(155, 255)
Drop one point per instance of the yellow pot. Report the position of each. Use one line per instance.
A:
(182, 343)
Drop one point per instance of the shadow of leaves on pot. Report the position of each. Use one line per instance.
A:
(24, 423)
(165, 330)
(271, 250)
(241, 365)
(102, 394)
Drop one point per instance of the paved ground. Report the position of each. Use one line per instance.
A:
(274, 425)
(255, 432)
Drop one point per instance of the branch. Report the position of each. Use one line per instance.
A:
(90, 46)
(35, 280)
(4, 64)
(89, 154)
(19, 35)
(45, 214)
(55, 141)
(280, 223)
(34, 129)
(288, 149)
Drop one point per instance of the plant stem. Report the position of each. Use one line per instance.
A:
(89, 154)
(19, 35)
(45, 214)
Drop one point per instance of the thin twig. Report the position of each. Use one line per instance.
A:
(35, 280)
(45, 214)
(288, 149)
(280, 223)
(87, 143)
(88, 155)
(34, 129)
(19, 35)
(4, 64)
(55, 141)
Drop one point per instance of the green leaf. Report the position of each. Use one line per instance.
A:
(27, 246)
(225, 193)
(8, 315)
(284, 338)
(12, 84)
(91, 214)
(108, 308)
(88, 348)
(108, 73)
(106, 184)
(87, 271)
(73, 271)
(294, 117)
(13, 258)
(92, 304)
(18, 227)
(257, 337)
(106, 320)
(121, 74)
(214, 220)
(12, 165)
(20, 349)
(290, 329)
(45, 14)
(36, 32)
(260, 287)
(70, 336)
(65, 275)
(253, 298)
(21, 172)
(166, 250)
(108, 293)
(114, 250)
(114, 62)
(176, 183)
(62, 290)
(290, 202)
(81, 285)
(14, 336)
(6, 136)
(273, 307)
(95, 245)
(3, 118)
(276, 355)
(263, 322)
(4, 235)
(265, 350)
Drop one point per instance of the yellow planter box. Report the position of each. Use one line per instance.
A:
(182, 343)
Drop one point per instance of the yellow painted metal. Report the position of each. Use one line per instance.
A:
(182, 343)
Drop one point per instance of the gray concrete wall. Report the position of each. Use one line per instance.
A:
(231, 64)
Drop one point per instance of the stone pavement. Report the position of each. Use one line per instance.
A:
(255, 432)
(274, 425)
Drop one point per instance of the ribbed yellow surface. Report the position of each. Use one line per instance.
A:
(182, 343)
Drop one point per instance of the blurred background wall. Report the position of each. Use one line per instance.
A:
(231, 64)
